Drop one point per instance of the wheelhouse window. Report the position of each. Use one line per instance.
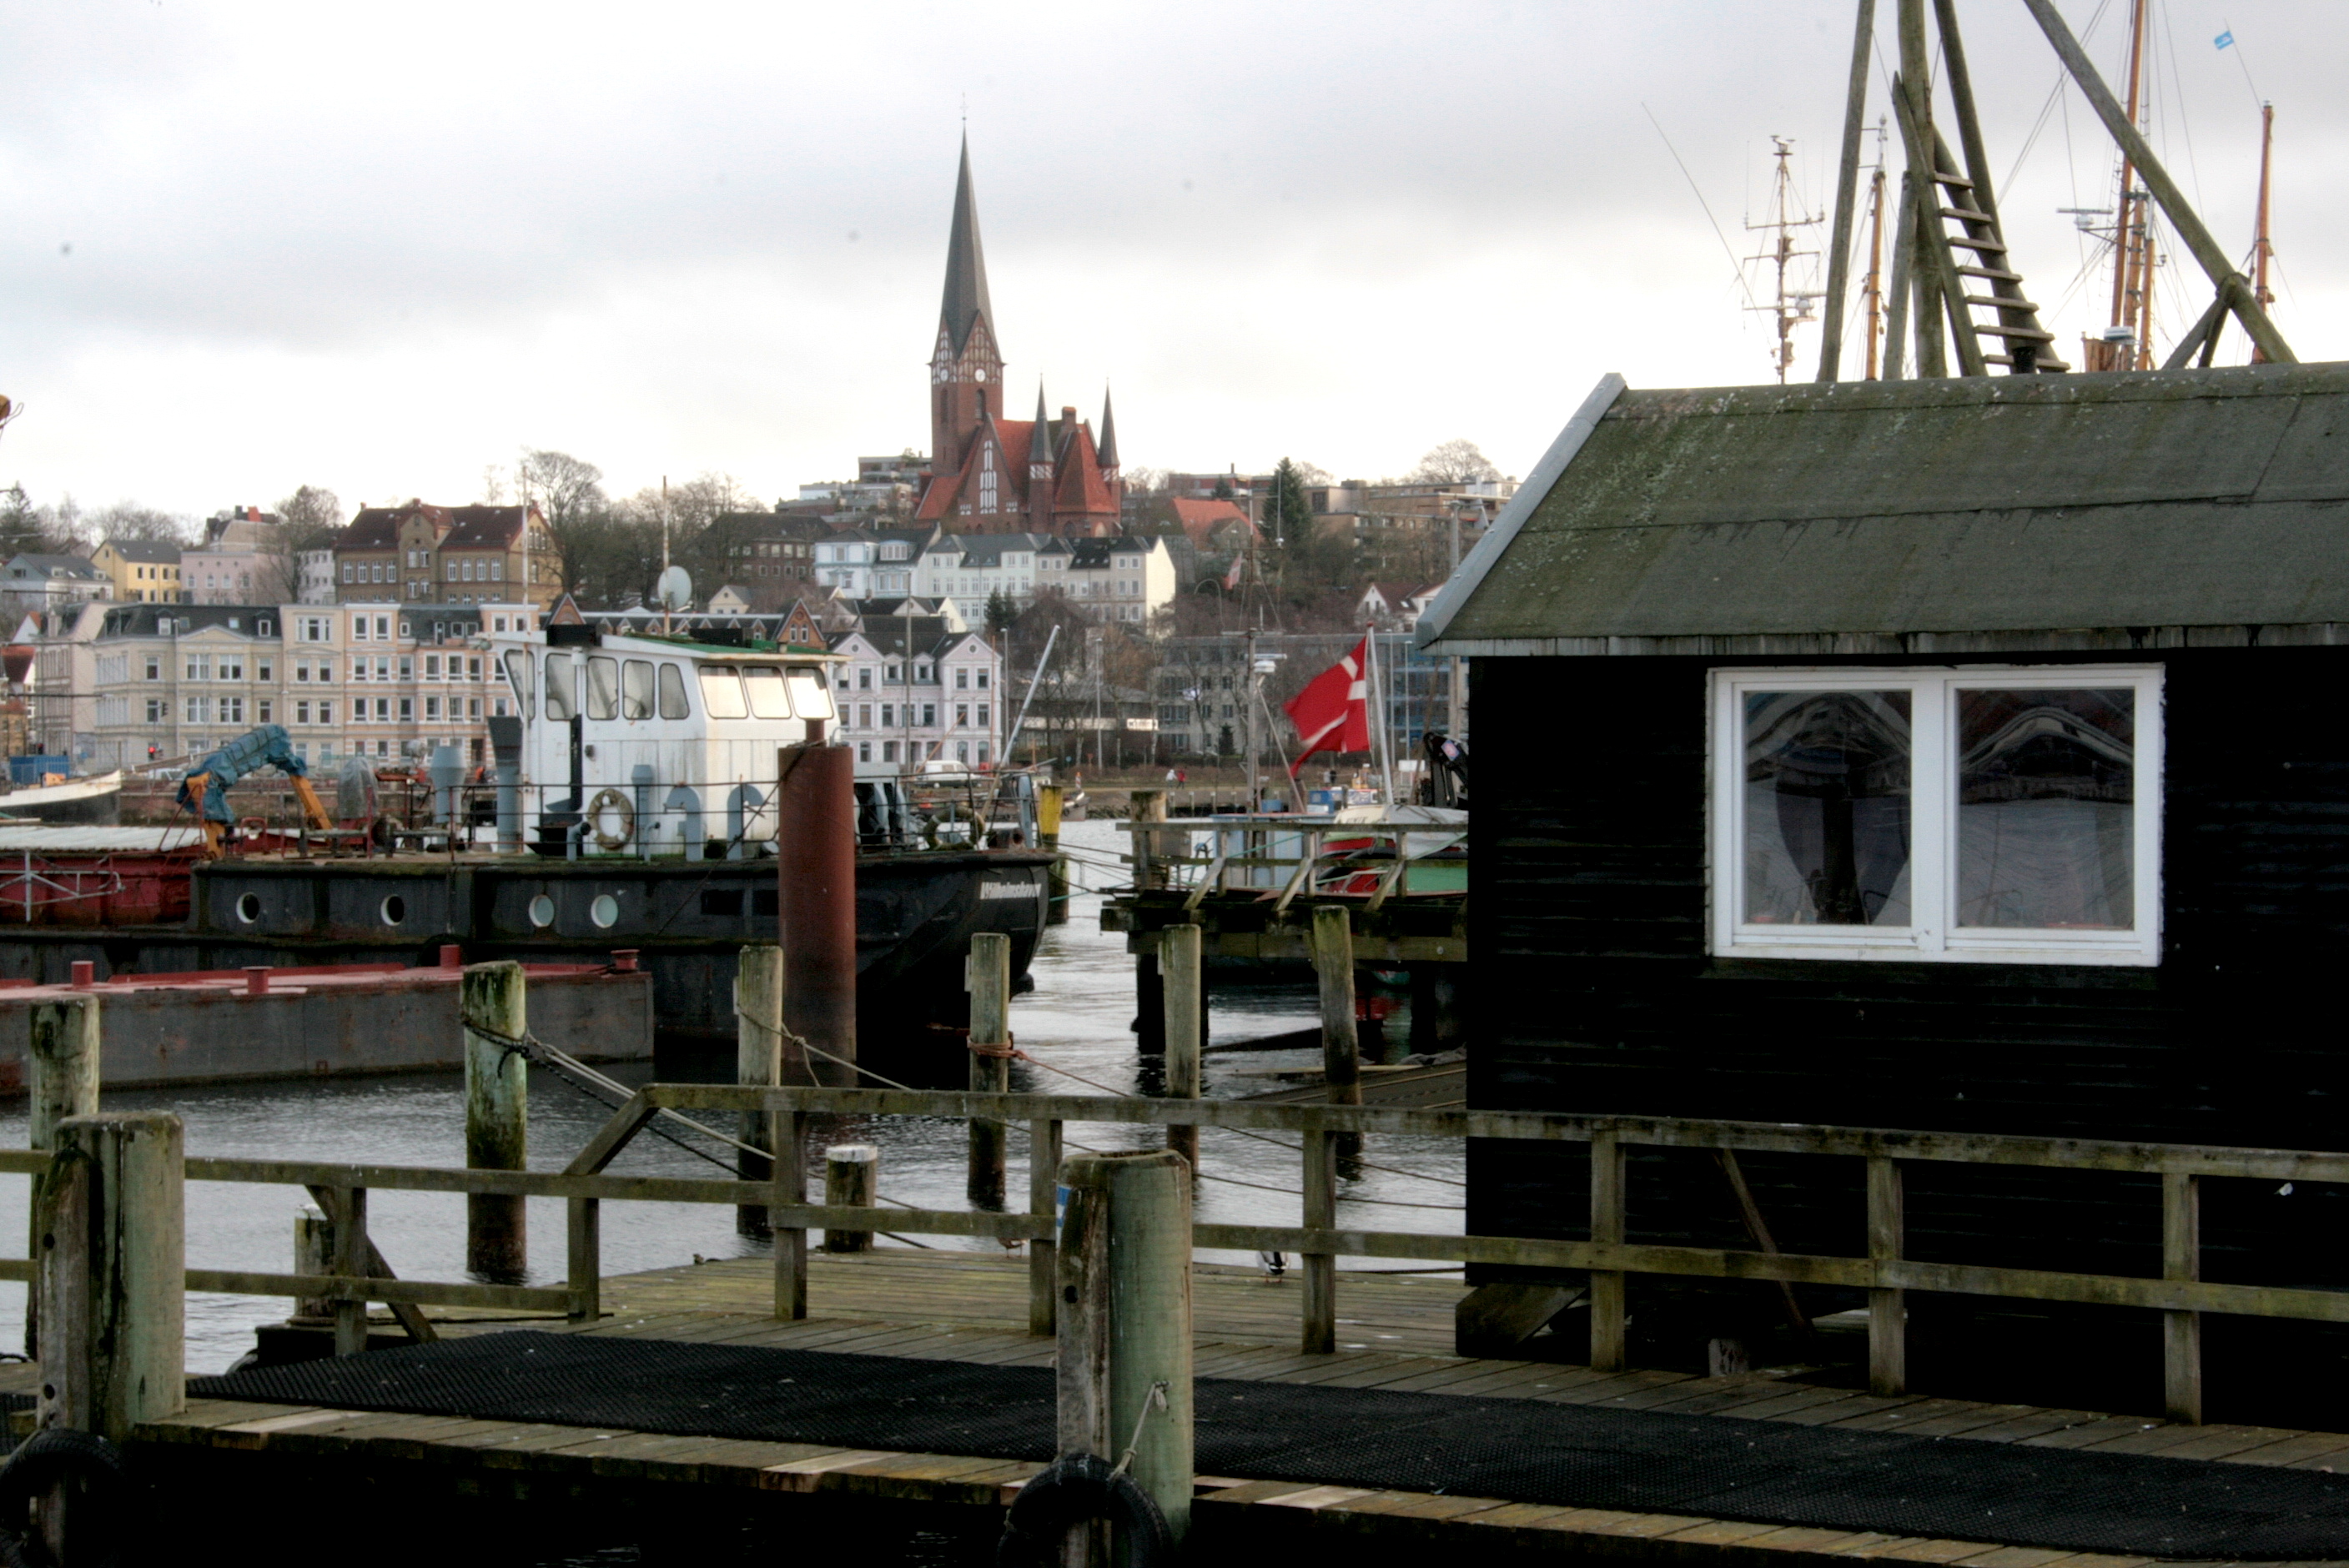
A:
(722, 692)
(768, 698)
(1971, 815)
(603, 686)
(637, 689)
(672, 692)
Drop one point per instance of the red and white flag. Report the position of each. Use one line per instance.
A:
(1334, 713)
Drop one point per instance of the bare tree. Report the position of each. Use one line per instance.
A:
(307, 520)
(570, 496)
(129, 519)
(1455, 461)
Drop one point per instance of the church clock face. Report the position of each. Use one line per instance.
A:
(982, 373)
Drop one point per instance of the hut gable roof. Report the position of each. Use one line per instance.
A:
(1991, 512)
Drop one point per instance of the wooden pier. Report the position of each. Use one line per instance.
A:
(966, 1307)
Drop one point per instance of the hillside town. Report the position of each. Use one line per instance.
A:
(1176, 604)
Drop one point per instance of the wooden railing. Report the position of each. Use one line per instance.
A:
(1884, 1273)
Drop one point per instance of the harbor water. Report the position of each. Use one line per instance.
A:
(1077, 1020)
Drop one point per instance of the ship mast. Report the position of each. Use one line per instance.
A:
(1787, 310)
(1873, 287)
(2261, 247)
(2128, 343)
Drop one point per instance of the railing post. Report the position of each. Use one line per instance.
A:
(758, 1062)
(1319, 1336)
(1610, 1308)
(1145, 805)
(1333, 966)
(65, 1042)
(1180, 973)
(351, 1252)
(2181, 1332)
(494, 1005)
(1887, 1309)
(787, 1136)
(1043, 1202)
(314, 1253)
(584, 1257)
(990, 982)
(1125, 1329)
(851, 1180)
(113, 1273)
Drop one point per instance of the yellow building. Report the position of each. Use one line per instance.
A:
(144, 571)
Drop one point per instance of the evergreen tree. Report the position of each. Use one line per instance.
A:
(1001, 612)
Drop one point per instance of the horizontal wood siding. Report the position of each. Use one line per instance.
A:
(1596, 993)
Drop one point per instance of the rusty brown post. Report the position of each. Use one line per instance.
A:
(815, 871)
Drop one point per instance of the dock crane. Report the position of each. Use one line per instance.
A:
(206, 788)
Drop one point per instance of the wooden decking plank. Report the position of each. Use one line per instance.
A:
(2317, 1447)
(1513, 1380)
(1830, 1413)
(1900, 1418)
(1720, 1397)
(2088, 1434)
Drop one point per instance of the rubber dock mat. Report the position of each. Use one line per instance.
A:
(1520, 1450)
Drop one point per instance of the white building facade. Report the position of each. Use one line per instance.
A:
(915, 691)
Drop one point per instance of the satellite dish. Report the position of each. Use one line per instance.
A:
(675, 590)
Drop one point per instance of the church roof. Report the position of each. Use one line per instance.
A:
(966, 295)
(1109, 431)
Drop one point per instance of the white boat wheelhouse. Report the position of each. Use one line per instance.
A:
(657, 746)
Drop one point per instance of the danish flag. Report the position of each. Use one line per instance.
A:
(1334, 713)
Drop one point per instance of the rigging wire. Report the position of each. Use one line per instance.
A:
(1735, 266)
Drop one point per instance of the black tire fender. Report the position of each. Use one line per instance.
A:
(1072, 1489)
(49, 1456)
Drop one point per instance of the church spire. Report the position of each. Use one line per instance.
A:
(965, 293)
(1109, 435)
(1039, 439)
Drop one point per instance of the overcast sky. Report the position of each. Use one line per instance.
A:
(244, 247)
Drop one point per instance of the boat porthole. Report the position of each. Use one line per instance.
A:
(248, 909)
(542, 912)
(604, 912)
(395, 910)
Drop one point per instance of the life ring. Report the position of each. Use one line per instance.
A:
(612, 801)
(1071, 1490)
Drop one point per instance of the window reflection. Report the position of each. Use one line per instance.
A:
(2047, 786)
(1828, 807)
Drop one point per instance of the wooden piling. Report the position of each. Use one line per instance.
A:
(494, 1005)
(787, 1137)
(852, 1179)
(66, 1039)
(990, 980)
(1185, 983)
(1125, 1326)
(1319, 1331)
(113, 1273)
(1333, 966)
(757, 1063)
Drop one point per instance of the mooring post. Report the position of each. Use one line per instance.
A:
(1887, 1309)
(1146, 806)
(2181, 1332)
(815, 896)
(1048, 837)
(1333, 966)
(1185, 983)
(112, 1269)
(63, 1082)
(494, 1005)
(990, 980)
(1609, 1307)
(1125, 1328)
(851, 1180)
(757, 1063)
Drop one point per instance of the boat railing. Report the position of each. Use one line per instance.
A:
(1290, 854)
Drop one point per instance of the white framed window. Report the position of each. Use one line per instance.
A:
(1984, 814)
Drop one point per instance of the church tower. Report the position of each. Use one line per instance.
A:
(966, 366)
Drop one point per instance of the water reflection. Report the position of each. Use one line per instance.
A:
(1078, 1018)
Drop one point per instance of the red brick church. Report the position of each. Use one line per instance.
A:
(989, 473)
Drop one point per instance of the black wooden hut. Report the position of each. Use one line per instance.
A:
(1956, 754)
